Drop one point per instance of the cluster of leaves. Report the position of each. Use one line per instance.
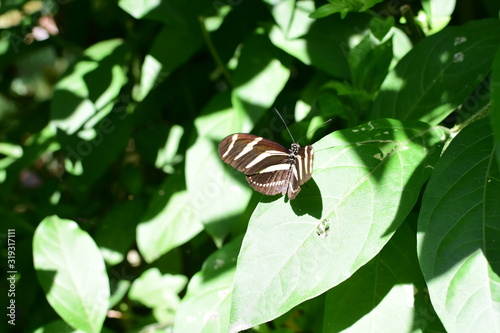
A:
(127, 220)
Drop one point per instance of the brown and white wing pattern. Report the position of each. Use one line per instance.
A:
(251, 154)
(270, 167)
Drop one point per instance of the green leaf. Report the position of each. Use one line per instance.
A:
(173, 46)
(320, 43)
(283, 13)
(366, 180)
(459, 233)
(218, 193)
(438, 13)
(259, 77)
(207, 303)
(156, 290)
(439, 73)
(343, 7)
(495, 100)
(71, 271)
(83, 96)
(380, 27)
(159, 292)
(138, 9)
(329, 9)
(57, 326)
(389, 286)
(169, 221)
(109, 138)
(369, 63)
(115, 235)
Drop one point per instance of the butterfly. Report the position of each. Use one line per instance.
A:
(269, 167)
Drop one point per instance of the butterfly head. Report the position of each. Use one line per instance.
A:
(295, 148)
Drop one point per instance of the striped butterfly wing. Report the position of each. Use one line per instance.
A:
(301, 170)
(270, 167)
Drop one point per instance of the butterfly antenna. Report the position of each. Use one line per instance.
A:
(315, 128)
(283, 120)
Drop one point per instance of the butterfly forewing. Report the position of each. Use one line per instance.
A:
(251, 154)
(270, 167)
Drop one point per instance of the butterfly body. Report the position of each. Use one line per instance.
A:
(270, 168)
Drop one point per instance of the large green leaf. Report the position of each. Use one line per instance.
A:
(366, 179)
(459, 233)
(72, 273)
(207, 303)
(439, 73)
(389, 286)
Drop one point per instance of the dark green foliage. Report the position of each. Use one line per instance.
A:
(119, 216)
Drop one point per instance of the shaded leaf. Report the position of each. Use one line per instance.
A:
(174, 45)
(459, 233)
(389, 286)
(169, 221)
(83, 96)
(495, 107)
(369, 62)
(71, 271)
(207, 303)
(259, 77)
(439, 73)
(343, 7)
(116, 232)
(319, 43)
(217, 193)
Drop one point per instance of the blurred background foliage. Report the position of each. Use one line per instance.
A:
(109, 108)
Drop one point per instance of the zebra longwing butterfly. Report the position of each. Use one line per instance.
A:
(270, 168)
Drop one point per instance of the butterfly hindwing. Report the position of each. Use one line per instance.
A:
(270, 183)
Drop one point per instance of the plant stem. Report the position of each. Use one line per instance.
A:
(213, 51)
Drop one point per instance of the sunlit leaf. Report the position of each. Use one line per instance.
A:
(138, 9)
(366, 180)
(389, 286)
(459, 233)
(85, 92)
(71, 270)
(438, 13)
